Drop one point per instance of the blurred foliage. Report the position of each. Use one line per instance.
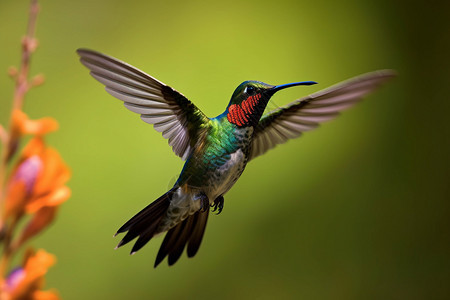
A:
(356, 209)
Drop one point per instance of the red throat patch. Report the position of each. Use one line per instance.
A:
(240, 115)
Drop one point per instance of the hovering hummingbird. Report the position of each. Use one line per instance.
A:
(216, 150)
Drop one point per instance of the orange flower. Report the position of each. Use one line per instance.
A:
(22, 125)
(37, 184)
(26, 282)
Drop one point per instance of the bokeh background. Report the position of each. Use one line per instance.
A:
(358, 209)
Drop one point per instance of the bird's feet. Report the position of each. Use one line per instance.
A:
(218, 204)
(204, 205)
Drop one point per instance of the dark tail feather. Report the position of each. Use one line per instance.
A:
(189, 231)
(197, 234)
(183, 238)
(145, 223)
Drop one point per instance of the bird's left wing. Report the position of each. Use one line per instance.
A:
(168, 110)
(307, 113)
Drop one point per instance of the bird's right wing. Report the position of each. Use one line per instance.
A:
(307, 113)
(168, 110)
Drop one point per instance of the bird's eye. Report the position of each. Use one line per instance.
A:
(250, 90)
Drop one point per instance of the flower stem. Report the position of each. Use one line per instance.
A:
(29, 44)
(22, 85)
(8, 251)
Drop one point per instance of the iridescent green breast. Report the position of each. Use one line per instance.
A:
(216, 150)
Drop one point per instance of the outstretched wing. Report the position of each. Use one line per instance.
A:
(169, 111)
(307, 113)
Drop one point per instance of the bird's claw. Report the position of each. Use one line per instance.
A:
(218, 204)
(204, 203)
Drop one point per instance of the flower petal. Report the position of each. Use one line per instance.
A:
(28, 171)
(40, 220)
(23, 125)
(45, 295)
(54, 198)
(35, 146)
(39, 263)
(55, 172)
(15, 199)
(35, 268)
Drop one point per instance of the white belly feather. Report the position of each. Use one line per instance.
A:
(184, 204)
(226, 175)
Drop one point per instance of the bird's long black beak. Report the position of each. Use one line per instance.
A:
(287, 85)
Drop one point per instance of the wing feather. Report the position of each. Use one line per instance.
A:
(170, 112)
(307, 113)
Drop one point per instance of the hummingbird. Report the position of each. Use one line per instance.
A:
(215, 150)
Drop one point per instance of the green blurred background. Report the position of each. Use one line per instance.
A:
(358, 209)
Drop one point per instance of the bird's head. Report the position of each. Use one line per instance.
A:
(249, 100)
